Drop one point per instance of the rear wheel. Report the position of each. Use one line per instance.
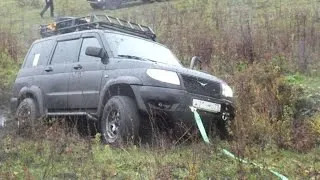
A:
(26, 116)
(120, 121)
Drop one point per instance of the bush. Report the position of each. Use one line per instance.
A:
(269, 111)
(8, 62)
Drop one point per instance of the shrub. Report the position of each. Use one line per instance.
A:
(265, 106)
(8, 62)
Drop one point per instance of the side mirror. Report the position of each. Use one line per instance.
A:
(96, 52)
(194, 60)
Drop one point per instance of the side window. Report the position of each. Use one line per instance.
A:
(86, 43)
(39, 54)
(66, 52)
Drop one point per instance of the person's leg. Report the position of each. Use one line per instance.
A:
(51, 8)
(44, 9)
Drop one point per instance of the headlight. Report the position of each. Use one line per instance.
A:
(226, 90)
(164, 76)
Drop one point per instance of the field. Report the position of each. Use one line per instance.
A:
(268, 50)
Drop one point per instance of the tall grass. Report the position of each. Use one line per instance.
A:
(255, 45)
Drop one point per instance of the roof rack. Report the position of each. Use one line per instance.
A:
(65, 25)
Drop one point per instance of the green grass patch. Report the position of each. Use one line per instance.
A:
(45, 159)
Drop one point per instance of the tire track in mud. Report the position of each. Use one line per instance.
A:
(2, 123)
(2, 118)
(4, 106)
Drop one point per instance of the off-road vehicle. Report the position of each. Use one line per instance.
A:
(110, 4)
(116, 73)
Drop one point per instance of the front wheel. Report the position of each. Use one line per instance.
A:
(120, 121)
(219, 129)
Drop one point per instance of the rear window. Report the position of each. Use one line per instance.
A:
(39, 54)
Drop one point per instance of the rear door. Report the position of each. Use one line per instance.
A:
(85, 81)
(57, 73)
(35, 61)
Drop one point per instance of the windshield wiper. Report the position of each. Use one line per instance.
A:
(130, 57)
(135, 57)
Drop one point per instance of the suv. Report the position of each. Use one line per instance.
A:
(114, 72)
(109, 4)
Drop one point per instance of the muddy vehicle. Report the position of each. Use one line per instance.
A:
(115, 73)
(110, 4)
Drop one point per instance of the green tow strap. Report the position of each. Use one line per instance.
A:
(226, 152)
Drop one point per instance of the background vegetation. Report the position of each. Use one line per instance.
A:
(268, 50)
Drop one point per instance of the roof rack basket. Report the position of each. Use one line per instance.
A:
(72, 24)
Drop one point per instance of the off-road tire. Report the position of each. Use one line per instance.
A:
(26, 115)
(219, 129)
(122, 114)
(223, 129)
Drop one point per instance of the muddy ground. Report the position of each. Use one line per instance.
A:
(4, 106)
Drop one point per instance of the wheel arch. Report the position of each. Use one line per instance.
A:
(32, 92)
(118, 86)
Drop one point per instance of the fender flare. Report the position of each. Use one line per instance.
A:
(36, 93)
(128, 80)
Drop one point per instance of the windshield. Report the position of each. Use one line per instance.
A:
(136, 48)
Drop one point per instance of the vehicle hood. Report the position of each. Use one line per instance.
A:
(188, 72)
(137, 64)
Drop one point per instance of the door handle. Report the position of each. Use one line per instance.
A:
(48, 69)
(78, 66)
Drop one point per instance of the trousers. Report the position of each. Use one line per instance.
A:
(49, 4)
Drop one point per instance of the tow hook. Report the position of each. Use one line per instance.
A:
(225, 116)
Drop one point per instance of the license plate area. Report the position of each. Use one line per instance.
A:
(206, 106)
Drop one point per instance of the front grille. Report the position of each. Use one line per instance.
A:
(201, 86)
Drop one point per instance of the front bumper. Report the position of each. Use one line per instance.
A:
(176, 103)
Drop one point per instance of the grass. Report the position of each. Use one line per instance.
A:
(310, 86)
(76, 158)
(69, 157)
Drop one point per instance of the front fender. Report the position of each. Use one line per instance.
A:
(128, 80)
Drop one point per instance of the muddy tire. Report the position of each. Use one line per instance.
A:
(26, 115)
(223, 129)
(120, 121)
(218, 129)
